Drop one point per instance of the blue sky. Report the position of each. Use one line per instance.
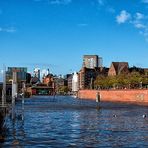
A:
(55, 34)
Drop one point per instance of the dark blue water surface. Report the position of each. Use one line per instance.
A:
(69, 122)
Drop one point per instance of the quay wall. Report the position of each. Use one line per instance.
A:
(134, 96)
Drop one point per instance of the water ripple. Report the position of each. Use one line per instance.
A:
(68, 122)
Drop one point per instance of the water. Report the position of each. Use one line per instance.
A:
(68, 122)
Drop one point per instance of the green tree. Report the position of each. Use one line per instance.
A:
(63, 89)
(135, 79)
(131, 80)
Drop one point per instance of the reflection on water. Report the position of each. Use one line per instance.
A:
(67, 122)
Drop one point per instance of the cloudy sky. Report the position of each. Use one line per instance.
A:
(55, 34)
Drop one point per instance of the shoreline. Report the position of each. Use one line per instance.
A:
(129, 96)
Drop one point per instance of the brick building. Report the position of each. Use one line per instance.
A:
(60, 83)
(92, 61)
(117, 68)
(92, 67)
(69, 80)
(87, 77)
(48, 80)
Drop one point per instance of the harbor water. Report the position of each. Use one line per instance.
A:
(64, 121)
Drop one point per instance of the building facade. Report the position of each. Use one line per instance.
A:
(92, 61)
(48, 80)
(60, 83)
(118, 68)
(75, 82)
(37, 73)
(21, 74)
(16, 77)
(69, 80)
(87, 77)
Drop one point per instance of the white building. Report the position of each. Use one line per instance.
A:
(37, 73)
(75, 82)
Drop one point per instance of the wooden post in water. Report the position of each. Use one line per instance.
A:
(23, 101)
(14, 86)
(14, 92)
(98, 99)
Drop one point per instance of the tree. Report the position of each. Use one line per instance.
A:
(63, 89)
(132, 80)
(135, 79)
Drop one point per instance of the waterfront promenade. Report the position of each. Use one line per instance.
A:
(131, 96)
(64, 121)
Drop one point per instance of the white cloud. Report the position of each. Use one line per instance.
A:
(82, 25)
(56, 2)
(123, 17)
(138, 21)
(105, 5)
(143, 29)
(8, 30)
(144, 1)
(139, 16)
(140, 26)
(60, 1)
(144, 33)
(101, 2)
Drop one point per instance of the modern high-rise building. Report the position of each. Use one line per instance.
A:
(92, 61)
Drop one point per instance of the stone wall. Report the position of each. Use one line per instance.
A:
(129, 96)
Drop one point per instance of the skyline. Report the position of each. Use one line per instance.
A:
(55, 34)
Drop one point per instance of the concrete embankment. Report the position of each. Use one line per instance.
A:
(134, 96)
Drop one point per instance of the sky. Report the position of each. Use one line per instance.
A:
(55, 34)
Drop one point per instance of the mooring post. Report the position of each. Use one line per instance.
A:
(13, 108)
(23, 98)
(23, 101)
(98, 99)
(14, 92)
